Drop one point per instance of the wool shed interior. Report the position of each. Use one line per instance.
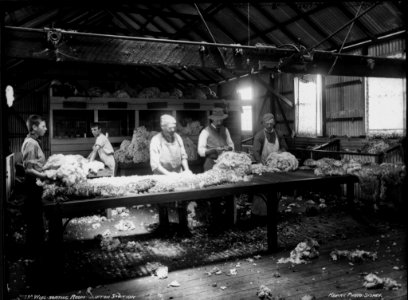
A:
(208, 150)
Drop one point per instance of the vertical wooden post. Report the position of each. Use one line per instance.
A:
(272, 223)
(271, 97)
(324, 105)
(137, 118)
(55, 228)
(350, 195)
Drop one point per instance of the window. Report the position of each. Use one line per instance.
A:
(385, 105)
(308, 99)
(246, 118)
(246, 115)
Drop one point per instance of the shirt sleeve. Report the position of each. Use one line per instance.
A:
(257, 147)
(202, 143)
(229, 140)
(100, 141)
(31, 158)
(154, 153)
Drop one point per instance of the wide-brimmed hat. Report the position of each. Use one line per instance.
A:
(218, 114)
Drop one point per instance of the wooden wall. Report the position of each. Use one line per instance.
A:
(30, 98)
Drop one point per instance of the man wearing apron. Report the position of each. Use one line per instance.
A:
(266, 141)
(105, 151)
(214, 139)
(167, 156)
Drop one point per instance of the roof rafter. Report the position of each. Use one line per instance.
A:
(219, 25)
(41, 19)
(357, 22)
(161, 13)
(253, 27)
(28, 18)
(212, 9)
(313, 24)
(290, 21)
(93, 19)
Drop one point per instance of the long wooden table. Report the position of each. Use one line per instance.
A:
(269, 184)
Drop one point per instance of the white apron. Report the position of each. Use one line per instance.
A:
(170, 156)
(268, 148)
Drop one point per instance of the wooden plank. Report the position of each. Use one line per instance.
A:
(195, 284)
(343, 84)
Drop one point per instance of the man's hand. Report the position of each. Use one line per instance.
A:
(188, 172)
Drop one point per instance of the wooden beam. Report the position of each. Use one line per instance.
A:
(344, 83)
(282, 111)
(313, 24)
(324, 106)
(271, 90)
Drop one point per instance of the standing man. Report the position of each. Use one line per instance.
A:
(267, 140)
(214, 139)
(168, 156)
(104, 149)
(33, 162)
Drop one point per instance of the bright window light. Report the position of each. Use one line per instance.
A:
(245, 93)
(308, 105)
(246, 118)
(386, 105)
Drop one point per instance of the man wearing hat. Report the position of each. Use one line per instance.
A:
(214, 139)
(267, 140)
(167, 156)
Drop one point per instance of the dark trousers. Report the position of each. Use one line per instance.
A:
(222, 209)
(33, 215)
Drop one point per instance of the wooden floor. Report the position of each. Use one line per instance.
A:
(322, 277)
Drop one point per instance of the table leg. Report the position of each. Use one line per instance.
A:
(163, 216)
(182, 214)
(55, 228)
(230, 203)
(272, 222)
(350, 196)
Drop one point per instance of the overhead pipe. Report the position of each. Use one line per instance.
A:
(137, 38)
